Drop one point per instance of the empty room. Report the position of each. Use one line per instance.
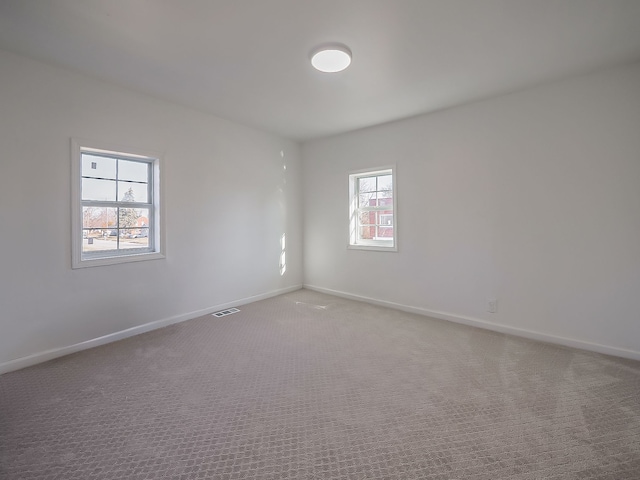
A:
(337, 239)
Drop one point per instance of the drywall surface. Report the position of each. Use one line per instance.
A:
(532, 198)
(228, 198)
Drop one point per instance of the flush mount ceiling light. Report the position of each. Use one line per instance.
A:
(331, 58)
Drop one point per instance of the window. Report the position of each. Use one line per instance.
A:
(372, 222)
(116, 206)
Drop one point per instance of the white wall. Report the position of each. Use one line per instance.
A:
(532, 198)
(228, 201)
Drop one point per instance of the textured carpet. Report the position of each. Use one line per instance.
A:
(309, 386)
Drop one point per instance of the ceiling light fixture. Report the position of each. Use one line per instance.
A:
(331, 58)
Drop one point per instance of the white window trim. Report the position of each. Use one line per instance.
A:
(77, 260)
(375, 245)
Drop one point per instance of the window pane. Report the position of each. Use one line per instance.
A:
(99, 218)
(367, 200)
(127, 232)
(127, 217)
(367, 218)
(385, 232)
(143, 217)
(98, 167)
(92, 233)
(134, 171)
(384, 200)
(138, 238)
(385, 183)
(134, 219)
(133, 192)
(99, 243)
(366, 232)
(385, 219)
(101, 190)
(367, 184)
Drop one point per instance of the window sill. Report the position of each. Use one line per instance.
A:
(376, 248)
(117, 259)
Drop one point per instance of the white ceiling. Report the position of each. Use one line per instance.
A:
(248, 60)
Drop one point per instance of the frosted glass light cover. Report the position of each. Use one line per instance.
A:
(331, 59)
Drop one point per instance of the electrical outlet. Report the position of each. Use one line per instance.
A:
(492, 305)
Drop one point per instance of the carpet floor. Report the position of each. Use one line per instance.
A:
(310, 386)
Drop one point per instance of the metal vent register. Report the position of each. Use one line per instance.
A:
(224, 313)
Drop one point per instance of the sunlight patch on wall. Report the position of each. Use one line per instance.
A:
(283, 254)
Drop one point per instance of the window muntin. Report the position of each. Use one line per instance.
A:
(116, 207)
(372, 213)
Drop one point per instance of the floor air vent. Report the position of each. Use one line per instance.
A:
(224, 313)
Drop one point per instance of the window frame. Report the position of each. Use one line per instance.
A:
(356, 243)
(155, 250)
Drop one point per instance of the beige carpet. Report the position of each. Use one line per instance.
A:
(309, 386)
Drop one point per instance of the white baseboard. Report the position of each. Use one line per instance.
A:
(496, 327)
(40, 357)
